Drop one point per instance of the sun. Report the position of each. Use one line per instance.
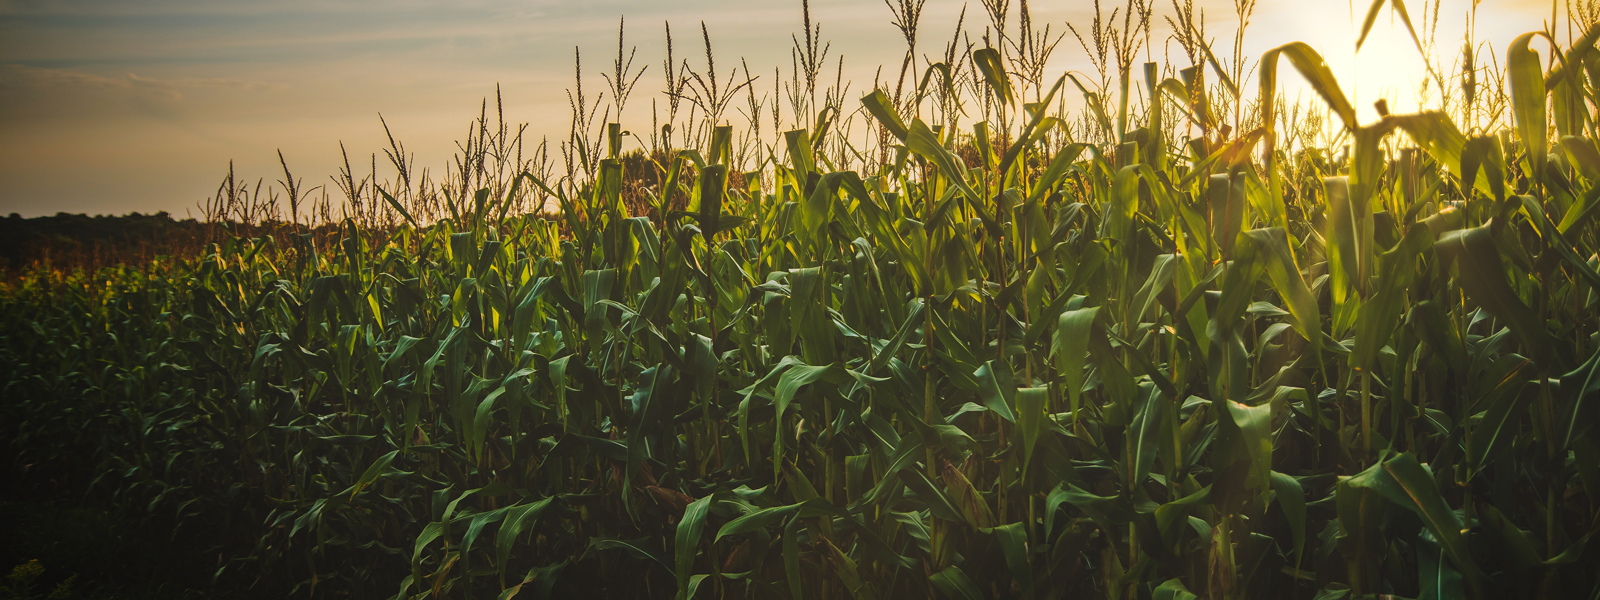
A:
(1390, 67)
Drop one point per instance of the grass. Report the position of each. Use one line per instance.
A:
(948, 340)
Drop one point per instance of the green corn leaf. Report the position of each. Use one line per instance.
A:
(1376, 320)
(1581, 397)
(1271, 247)
(649, 407)
(687, 542)
(1528, 101)
(395, 204)
(993, 68)
(1146, 432)
(1239, 285)
(1437, 579)
(1558, 242)
(1428, 318)
(800, 157)
(1484, 279)
(882, 108)
(1059, 166)
(913, 320)
(1172, 589)
(1406, 483)
(757, 520)
(480, 419)
(1511, 540)
(955, 585)
(791, 556)
(1216, 67)
(1253, 427)
(1106, 511)
(905, 454)
(1496, 426)
(378, 467)
(1013, 541)
(542, 578)
(1071, 349)
(924, 143)
(477, 524)
(1032, 412)
(1292, 500)
(639, 548)
(517, 520)
(847, 571)
(1568, 67)
(1095, 104)
(1583, 153)
(997, 389)
(1038, 125)
(1315, 71)
(1123, 205)
(713, 184)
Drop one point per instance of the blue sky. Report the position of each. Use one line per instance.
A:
(111, 106)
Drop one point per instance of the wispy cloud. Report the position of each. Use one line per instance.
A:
(30, 95)
(220, 7)
(25, 79)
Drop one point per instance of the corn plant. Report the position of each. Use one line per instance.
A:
(1015, 358)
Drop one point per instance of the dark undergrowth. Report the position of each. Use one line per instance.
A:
(61, 542)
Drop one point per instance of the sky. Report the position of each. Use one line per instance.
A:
(117, 106)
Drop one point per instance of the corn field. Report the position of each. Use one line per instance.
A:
(949, 340)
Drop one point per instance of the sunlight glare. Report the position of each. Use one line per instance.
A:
(1388, 67)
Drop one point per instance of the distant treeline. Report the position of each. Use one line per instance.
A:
(67, 241)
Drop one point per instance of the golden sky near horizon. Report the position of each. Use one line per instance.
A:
(113, 106)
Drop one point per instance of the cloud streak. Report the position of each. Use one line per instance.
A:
(26, 79)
